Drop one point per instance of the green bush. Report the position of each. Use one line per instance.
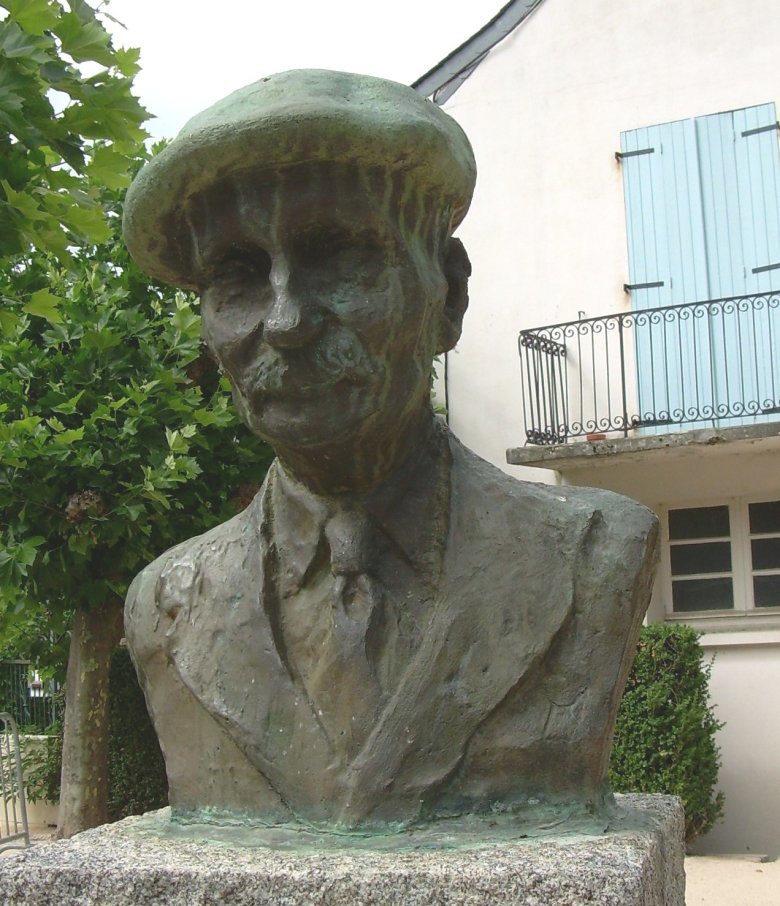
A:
(42, 759)
(137, 781)
(136, 772)
(665, 732)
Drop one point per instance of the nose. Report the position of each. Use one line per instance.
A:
(293, 320)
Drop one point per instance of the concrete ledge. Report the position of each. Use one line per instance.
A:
(638, 862)
(586, 454)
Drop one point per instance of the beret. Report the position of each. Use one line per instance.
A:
(289, 119)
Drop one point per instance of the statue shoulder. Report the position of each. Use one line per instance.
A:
(562, 518)
(173, 580)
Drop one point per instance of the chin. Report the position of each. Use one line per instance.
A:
(304, 423)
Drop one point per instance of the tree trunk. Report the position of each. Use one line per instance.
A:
(84, 788)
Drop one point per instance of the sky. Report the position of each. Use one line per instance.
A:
(194, 52)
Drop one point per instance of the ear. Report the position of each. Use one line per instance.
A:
(457, 270)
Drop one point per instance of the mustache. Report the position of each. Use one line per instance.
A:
(336, 358)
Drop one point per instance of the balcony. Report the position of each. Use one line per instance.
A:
(703, 372)
(704, 364)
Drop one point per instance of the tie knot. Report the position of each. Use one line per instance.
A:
(348, 533)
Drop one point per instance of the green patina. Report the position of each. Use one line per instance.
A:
(536, 824)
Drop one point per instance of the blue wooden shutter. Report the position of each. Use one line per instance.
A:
(664, 215)
(666, 246)
(740, 185)
(703, 218)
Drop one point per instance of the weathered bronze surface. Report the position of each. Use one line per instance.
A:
(394, 630)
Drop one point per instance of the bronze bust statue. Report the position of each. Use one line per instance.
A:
(394, 630)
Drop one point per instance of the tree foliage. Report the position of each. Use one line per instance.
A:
(64, 134)
(117, 436)
(665, 733)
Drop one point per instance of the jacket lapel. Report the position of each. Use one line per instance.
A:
(476, 649)
(223, 647)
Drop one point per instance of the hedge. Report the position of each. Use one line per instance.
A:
(665, 733)
(137, 781)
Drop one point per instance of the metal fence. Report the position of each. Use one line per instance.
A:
(14, 829)
(31, 702)
(700, 364)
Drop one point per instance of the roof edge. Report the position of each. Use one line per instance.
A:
(444, 79)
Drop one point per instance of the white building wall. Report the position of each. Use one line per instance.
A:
(546, 232)
(745, 677)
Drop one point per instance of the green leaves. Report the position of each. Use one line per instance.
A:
(87, 219)
(109, 168)
(665, 732)
(34, 16)
(43, 304)
(84, 38)
(16, 43)
(126, 60)
(23, 203)
(177, 440)
(17, 556)
(55, 160)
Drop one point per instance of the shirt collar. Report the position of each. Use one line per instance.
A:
(410, 511)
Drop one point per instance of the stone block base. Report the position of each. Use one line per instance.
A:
(143, 861)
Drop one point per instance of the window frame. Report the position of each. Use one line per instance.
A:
(744, 613)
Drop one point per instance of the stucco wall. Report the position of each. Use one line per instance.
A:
(544, 112)
(745, 676)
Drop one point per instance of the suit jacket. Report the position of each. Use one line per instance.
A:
(508, 695)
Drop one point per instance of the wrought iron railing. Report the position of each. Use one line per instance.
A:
(14, 828)
(31, 702)
(699, 364)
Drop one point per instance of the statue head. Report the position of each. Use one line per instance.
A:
(314, 212)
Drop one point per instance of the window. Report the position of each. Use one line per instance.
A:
(723, 558)
(700, 559)
(764, 524)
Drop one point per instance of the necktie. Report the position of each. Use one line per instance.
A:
(349, 536)
(343, 678)
(328, 611)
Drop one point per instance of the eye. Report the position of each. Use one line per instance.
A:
(240, 268)
(331, 248)
(318, 248)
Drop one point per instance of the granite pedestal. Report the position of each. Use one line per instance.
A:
(141, 861)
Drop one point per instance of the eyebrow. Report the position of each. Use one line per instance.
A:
(212, 247)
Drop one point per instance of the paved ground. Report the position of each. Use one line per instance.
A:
(710, 880)
(732, 881)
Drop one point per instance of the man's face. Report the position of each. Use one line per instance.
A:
(323, 310)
